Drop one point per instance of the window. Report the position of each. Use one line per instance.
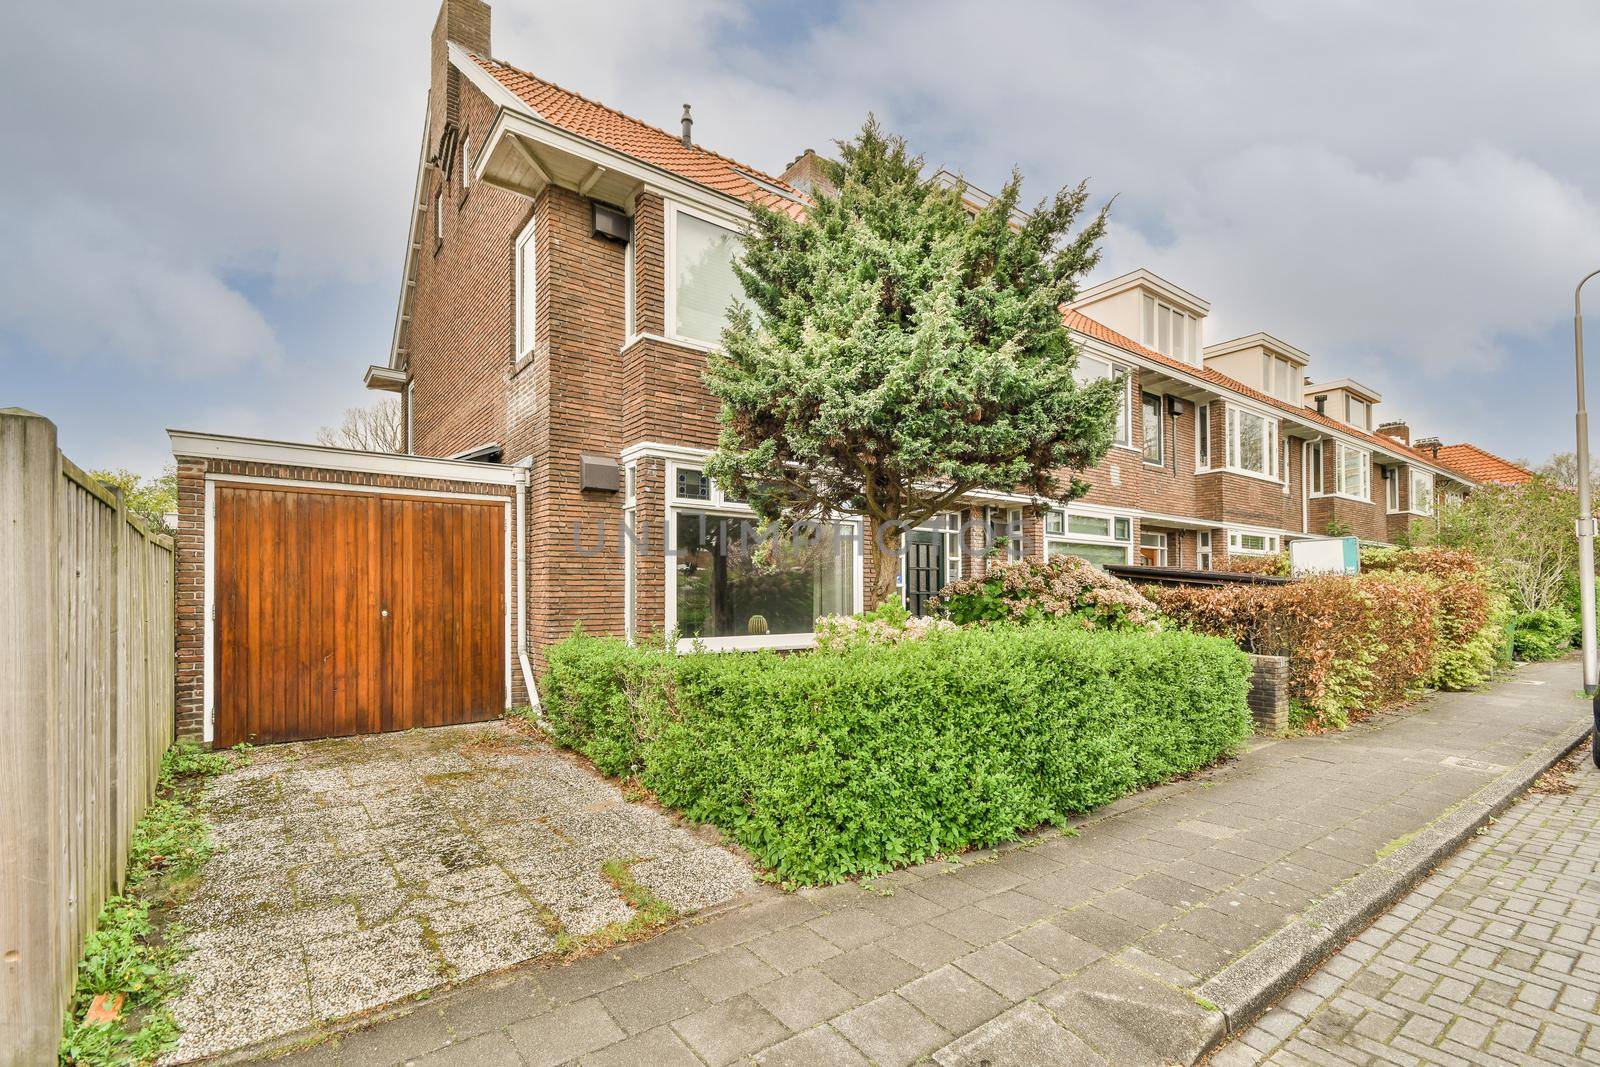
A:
(693, 484)
(1353, 474)
(1169, 331)
(1092, 369)
(1421, 492)
(704, 285)
(524, 285)
(726, 586)
(1392, 487)
(1005, 528)
(1153, 548)
(1203, 549)
(1314, 466)
(1202, 437)
(466, 162)
(1277, 376)
(1154, 434)
(411, 415)
(628, 292)
(1357, 412)
(1100, 539)
(1252, 544)
(1252, 443)
(438, 212)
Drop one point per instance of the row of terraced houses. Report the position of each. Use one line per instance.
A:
(568, 270)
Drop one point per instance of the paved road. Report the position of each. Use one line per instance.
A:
(1495, 959)
(1064, 950)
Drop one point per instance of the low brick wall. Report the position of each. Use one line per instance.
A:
(1269, 693)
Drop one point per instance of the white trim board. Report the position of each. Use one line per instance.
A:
(288, 453)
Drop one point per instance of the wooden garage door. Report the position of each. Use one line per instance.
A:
(343, 613)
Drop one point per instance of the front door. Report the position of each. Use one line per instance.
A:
(925, 568)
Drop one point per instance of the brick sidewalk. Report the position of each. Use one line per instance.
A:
(1065, 949)
(1494, 959)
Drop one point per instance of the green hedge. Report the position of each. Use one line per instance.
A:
(829, 764)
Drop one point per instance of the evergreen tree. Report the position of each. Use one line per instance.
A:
(900, 349)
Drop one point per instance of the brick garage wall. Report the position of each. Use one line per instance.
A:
(190, 543)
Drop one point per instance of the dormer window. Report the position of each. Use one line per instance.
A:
(1357, 413)
(1169, 330)
(1277, 376)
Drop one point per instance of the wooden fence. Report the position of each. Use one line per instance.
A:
(86, 662)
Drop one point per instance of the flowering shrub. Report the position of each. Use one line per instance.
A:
(888, 625)
(1030, 590)
(1355, 644)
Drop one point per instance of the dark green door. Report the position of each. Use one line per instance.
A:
(925, 568)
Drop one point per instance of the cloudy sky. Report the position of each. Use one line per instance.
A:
(208, 199)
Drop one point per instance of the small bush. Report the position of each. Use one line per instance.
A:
(888, 624)
(859, 760)
(1031, 590)
(1541, 635)
(1275, 565)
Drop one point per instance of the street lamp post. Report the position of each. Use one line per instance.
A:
(1586, 526)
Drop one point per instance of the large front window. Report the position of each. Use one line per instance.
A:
(1252, 443)
(704, 285)
(1354, 473)
(730, 582)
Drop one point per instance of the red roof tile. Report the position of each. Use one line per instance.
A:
(609, 127)
(1482, 466)
(1077, 320)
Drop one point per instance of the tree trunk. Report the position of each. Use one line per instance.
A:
(885, 547)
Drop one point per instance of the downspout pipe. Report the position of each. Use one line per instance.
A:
(523, 469)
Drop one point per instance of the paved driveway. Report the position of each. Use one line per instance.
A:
(359, 871)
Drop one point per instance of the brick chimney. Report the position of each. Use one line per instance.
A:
(1430, 445)
(1397, 429)
(466, 22)
(806, 174)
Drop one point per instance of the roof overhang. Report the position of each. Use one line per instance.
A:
(386, 379)
(1145, 279)
(1348, 385)
(296, 454)
(1258, 340)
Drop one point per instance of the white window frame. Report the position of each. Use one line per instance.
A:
(1314, 471)
(1392, 489)
(411, 416)
(1159, 543)
(1232, 436)
(1366, 407)
(525, 288)
(1426, 495)
(1362, 492)
(720, 506)
(675, 208)
(1120, 372)
(1273, 543)
(1062, 518)
(1150, 331)
(1202, 549)
(438, 211)
(630, 327)
(466, 161)
(1161, 434)
(1202, 436)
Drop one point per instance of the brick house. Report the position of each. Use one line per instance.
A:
(566, 276)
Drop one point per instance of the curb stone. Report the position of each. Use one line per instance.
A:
(1244, 989)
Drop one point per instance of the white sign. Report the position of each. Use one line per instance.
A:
(1324, 555)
